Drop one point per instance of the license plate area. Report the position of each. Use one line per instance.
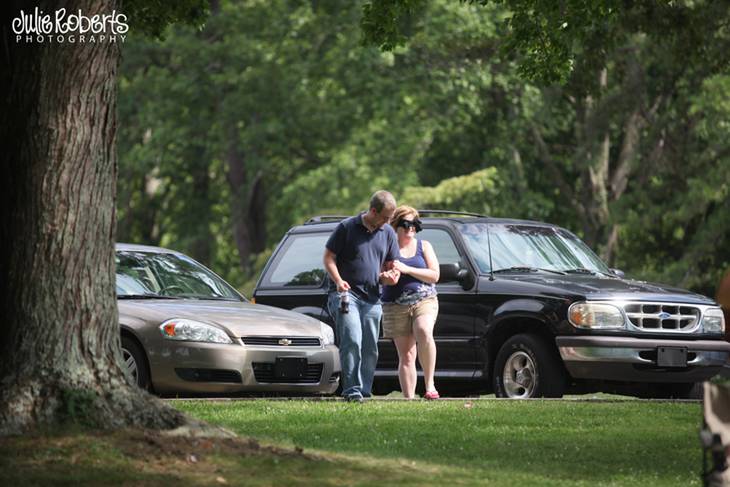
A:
(671, 357)
(290, 367)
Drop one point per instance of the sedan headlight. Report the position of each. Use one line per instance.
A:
(596, 316)
(713, 321)
(193, 331)
(328, 335)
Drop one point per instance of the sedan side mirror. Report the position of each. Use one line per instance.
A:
(618, 272)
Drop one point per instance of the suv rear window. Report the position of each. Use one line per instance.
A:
(299, 262)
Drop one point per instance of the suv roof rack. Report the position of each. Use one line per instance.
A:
(323, 218)
(449, 212)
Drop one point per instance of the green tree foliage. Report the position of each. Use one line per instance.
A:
(473, 192)
(684, 205)
(619, 133)
(275, 112)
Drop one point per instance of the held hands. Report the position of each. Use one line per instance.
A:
(400, 267)
(390, 278)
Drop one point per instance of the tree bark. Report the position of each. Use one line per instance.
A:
(248, 206)
(60, 349)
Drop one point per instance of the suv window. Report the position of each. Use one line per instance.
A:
(299, 262)
(443, 245)
(528, 245)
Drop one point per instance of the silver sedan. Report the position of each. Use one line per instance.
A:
(185, 330)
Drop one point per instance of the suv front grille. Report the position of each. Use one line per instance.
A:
(663, 316)
(281, 341)
(264, 373)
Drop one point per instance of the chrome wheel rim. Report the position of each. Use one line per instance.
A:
(130, 365)
(519, 376)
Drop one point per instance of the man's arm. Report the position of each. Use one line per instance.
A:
(330, 265)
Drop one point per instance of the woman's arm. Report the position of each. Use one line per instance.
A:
(430, 274)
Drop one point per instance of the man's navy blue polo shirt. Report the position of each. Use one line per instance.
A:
(360, 255)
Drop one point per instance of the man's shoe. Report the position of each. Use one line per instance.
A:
(354, 398)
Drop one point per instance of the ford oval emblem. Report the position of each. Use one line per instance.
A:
(664, 315)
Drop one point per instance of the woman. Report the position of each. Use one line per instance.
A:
(410, 305)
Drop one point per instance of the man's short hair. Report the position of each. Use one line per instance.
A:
(381, 199)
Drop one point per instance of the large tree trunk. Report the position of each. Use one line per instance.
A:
(59, 336)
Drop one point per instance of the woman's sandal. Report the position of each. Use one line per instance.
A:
(430, 395)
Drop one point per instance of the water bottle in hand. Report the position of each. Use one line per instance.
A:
(344, 302)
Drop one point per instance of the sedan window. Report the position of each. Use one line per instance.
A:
(163, 274)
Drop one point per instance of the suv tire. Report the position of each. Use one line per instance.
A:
(530, 368)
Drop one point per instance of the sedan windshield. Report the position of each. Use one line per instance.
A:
(162, 275)
(520, 248)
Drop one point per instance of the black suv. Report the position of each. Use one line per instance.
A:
(526, 309)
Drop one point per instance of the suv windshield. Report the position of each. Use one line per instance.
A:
(524, 247)
(161, 275)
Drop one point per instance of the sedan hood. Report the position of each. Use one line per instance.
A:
(239, 318)
(599, 287)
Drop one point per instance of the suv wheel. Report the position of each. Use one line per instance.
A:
(135, 364)
(526, 367)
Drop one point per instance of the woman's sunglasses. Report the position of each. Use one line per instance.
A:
(408, 224)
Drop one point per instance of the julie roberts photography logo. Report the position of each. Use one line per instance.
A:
(63, 27)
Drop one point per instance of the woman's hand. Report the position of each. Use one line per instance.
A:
(401, 267)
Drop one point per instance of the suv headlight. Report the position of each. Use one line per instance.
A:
(713, 321)
(193, 331)
(596, 316)
(328, 335)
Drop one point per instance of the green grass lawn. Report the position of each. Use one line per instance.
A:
(456, 442)
(483, 441)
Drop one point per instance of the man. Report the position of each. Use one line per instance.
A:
(358, 255)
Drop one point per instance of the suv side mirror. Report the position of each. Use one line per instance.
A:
(454, 272)
(449, 272)
(618, 272)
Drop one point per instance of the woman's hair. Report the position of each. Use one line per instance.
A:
(401, 213)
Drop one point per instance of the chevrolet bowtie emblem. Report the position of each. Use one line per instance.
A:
(285, 341)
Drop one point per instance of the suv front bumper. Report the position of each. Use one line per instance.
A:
(635, 359)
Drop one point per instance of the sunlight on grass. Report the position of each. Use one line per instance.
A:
(506, 442)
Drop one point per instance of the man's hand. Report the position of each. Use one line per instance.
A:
(342, 286)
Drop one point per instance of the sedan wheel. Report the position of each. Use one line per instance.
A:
(130, 365)
(135, 363)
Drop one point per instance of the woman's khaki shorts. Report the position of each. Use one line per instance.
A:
(398, 319)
